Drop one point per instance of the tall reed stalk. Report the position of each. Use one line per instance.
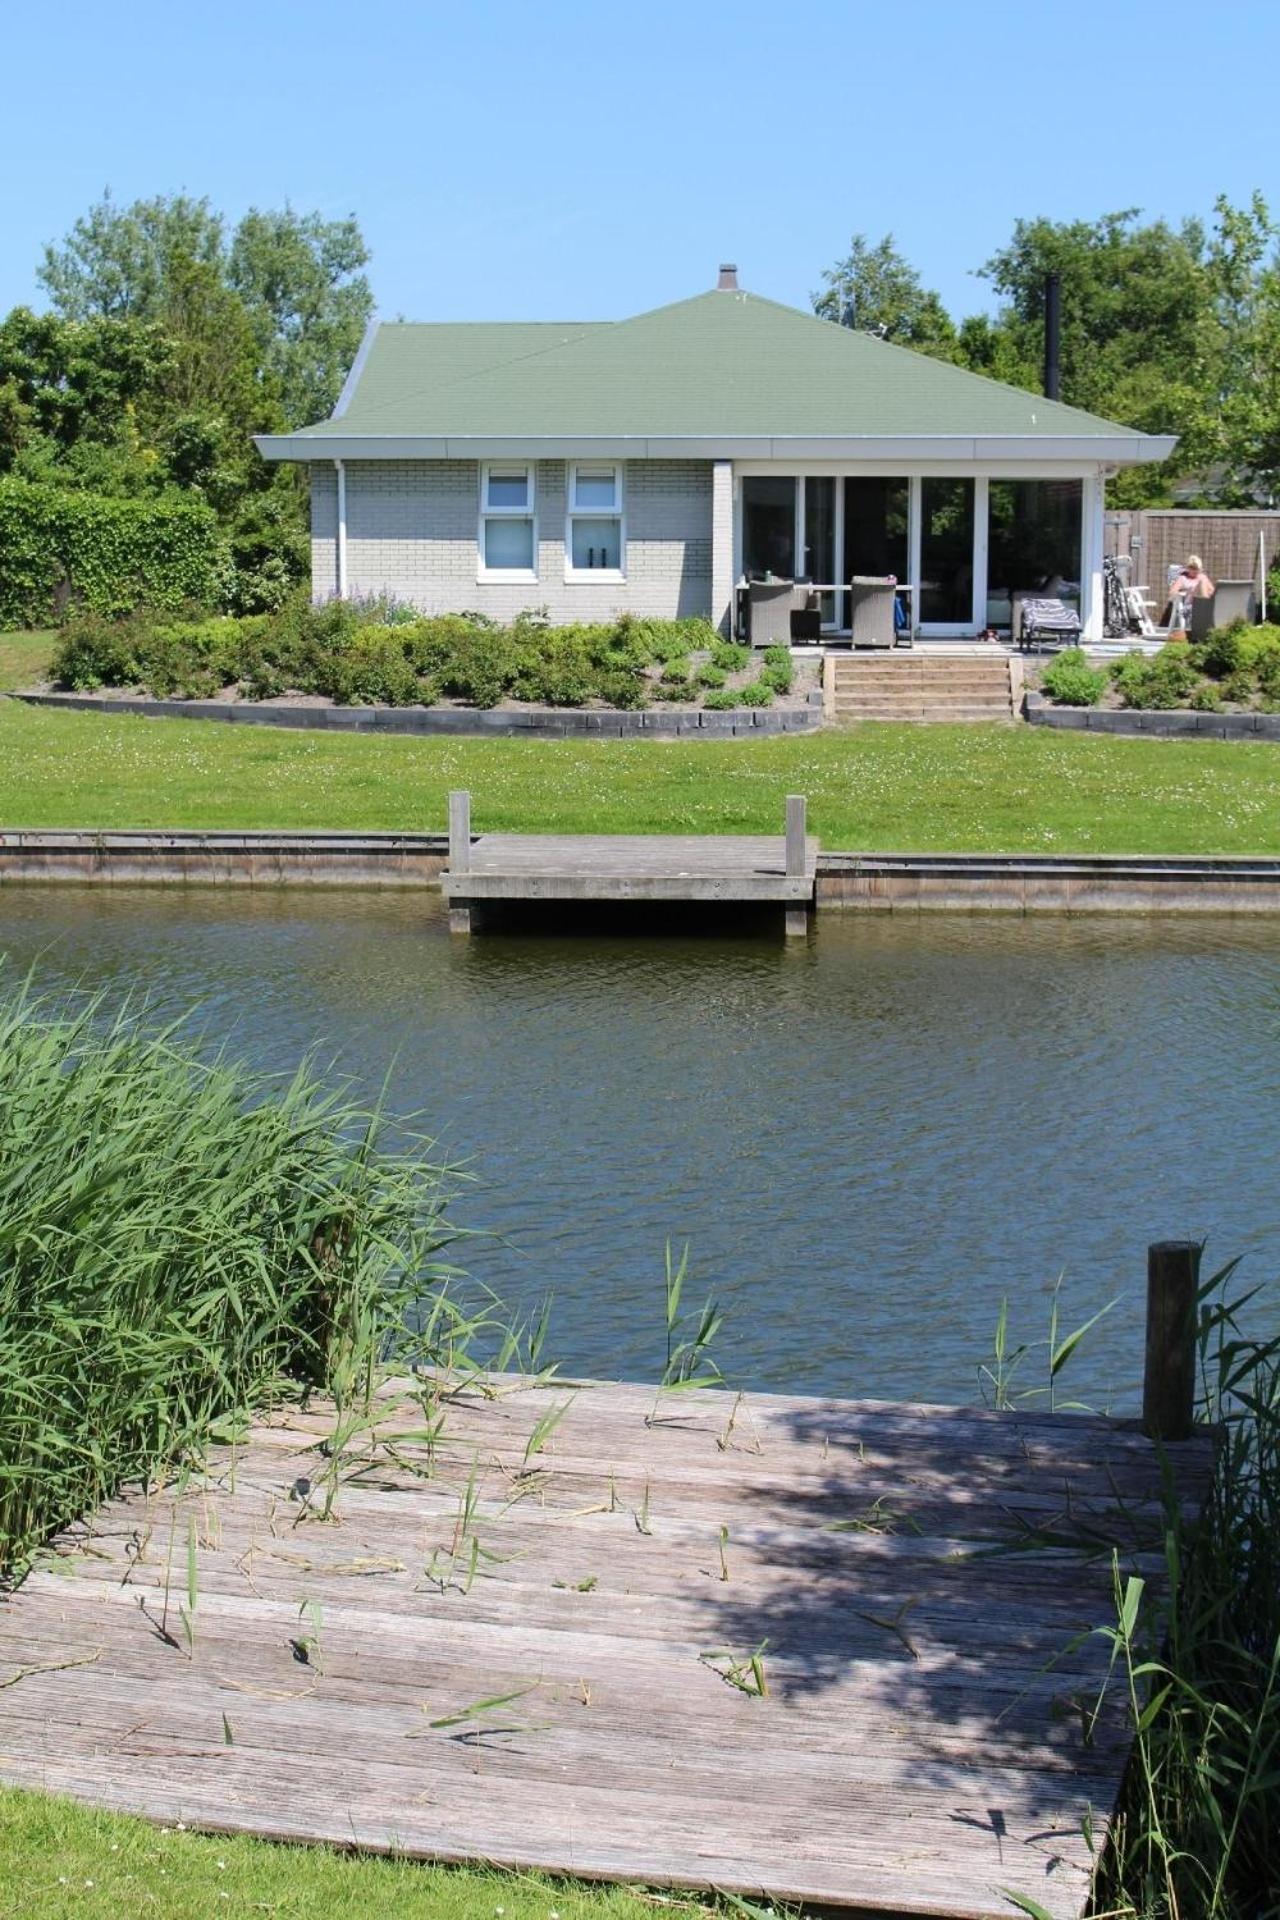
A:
(181, 1240)
(1197, 1835)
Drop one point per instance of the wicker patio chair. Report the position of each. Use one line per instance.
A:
(871, 611)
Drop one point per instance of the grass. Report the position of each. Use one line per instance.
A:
(62, 1859)
(24, 658)
(876, 787)
(179, 1240)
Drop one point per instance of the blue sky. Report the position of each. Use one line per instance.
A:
(550, 159)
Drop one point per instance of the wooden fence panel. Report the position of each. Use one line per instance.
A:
(1160, 537)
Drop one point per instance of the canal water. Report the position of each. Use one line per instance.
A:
(867, 1140)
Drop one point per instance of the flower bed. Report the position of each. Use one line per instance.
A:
(380, 653)
(1233, 670)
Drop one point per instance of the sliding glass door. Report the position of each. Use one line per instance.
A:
(820, 538)
(769, 526)
(946, 553)
(1034, 530)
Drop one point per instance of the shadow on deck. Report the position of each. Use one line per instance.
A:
(808, 1648)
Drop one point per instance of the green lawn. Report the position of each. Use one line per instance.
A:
(877, 787)
(24, 658)
(59, 1859)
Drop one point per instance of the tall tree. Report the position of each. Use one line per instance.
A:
(116, 261)
(1235, 435)
(299, 276)
(875, 289)
(1133, 302)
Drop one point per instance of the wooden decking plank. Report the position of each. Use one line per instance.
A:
(601, 1831)
(869, 1772)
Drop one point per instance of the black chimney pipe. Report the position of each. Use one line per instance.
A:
(1052, 335)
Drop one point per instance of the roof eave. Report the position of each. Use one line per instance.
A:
(1120, 449)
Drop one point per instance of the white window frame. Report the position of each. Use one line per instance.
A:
(488, 512)
(574, 512)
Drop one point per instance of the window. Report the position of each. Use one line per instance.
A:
(508, 536)
(594, 541)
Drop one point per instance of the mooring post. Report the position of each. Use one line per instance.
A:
(1169, 1376)
(797, 915)
(795, 835)
(459, 852)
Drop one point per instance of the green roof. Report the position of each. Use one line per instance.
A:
(725, 364)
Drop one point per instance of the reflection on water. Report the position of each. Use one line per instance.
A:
(867, 1140)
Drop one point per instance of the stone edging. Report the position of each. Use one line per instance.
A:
(1176, 725)
(178, 857)
(556, 722)
(957, 882)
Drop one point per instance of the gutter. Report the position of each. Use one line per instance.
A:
(341, 470)
(947, 449)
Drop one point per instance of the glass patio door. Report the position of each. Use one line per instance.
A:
(946, 554)
(820, 538)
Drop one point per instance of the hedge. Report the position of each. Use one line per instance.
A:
(61, 548)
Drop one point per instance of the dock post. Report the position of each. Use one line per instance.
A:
(1169, 1375)
(797, 916)
(459, 852)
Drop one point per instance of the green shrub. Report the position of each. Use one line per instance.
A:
(376, 651)
(721, 699)
(622, 689)
(1223, 650)
(61, 549)
(1071, 681)
(1268, 674)
(1238, 687)
(1207, 699)
(371, 669)
(758, 694)
(729, 657)
(1168, 680)
(778, 676)
(1236, 648)
(709, 676)
(777, 657)
(662, 641)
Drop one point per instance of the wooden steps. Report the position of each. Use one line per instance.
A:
(920, 688)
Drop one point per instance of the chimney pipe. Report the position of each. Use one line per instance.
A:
(1052, 335)
(728, 281)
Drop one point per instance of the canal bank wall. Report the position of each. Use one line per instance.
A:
(868, 882)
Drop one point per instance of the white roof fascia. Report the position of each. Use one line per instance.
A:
(1096, 449)
(352, 380)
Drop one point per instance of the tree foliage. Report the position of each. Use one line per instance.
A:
(875, 289)
(172, 340)
(1167, 328)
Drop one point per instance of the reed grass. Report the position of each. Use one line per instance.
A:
(1197, 1831)
(182, 1240)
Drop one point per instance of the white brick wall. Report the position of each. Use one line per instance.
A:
(412, 526)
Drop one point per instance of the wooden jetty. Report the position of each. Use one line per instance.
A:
(720, 869)
(813, 1649)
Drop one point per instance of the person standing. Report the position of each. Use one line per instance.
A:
(1193, 583)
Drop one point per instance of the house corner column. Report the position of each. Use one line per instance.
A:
(1093, 508)
(722, 545)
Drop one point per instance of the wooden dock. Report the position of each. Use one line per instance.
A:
(805, 1648)
(661, 869)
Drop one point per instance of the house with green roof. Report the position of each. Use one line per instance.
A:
(655, 464)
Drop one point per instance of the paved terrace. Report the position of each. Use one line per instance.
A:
(769, 1644)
